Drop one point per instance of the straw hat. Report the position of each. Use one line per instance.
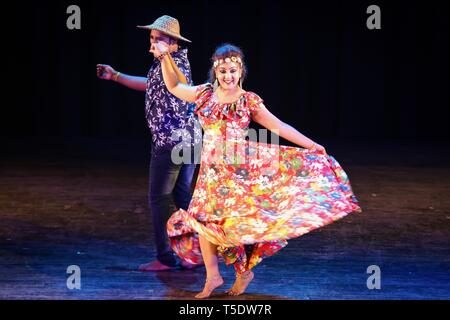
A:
(167, 25)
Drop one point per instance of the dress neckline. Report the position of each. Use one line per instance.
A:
(216, 97)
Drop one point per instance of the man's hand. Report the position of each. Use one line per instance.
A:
(105, 71)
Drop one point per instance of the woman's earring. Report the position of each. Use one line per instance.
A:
(240, 82)
(216, 84)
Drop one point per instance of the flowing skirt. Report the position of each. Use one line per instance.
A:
(250, 210)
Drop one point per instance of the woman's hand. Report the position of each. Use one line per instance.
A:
(105, 72)
(159, 48)
(318, 147)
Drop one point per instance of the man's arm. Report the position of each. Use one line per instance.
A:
(106, 72)
(132, 82)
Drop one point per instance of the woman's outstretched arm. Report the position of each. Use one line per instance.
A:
(171, 75)
(265, 118)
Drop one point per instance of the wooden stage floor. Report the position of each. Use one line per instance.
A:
(64, 209)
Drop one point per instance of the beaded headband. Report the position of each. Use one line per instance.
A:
(227, 60)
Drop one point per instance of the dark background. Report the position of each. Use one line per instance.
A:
(315, 63)
(74, 149)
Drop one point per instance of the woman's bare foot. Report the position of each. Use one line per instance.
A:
(241, 283)
(210, 285)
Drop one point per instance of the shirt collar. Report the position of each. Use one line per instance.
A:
(180, 53)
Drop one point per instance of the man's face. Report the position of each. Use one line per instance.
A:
(157, 36)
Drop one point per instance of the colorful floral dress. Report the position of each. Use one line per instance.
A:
(251, 197)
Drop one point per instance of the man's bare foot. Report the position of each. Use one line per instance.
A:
(241, 283)
(210, 284)
(155, 266)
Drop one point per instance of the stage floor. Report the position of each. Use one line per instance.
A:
(64, 209)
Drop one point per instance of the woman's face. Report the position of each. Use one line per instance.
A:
(228, 74)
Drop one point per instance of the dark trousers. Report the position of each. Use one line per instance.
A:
(167, 181)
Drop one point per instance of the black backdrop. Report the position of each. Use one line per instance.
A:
(315, 63)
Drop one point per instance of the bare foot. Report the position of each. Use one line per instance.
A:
(241, 283)
(155, 266)
(210, 284)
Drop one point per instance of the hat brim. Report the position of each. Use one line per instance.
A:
(173, 35)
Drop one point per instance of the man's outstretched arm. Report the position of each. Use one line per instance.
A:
(106, 72)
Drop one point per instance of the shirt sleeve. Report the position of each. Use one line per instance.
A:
(202, 95)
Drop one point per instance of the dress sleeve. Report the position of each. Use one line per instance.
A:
(202, 95)
(254, 102)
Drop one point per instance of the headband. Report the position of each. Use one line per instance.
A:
(226, 60)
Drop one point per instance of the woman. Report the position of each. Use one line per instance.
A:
(250, 197)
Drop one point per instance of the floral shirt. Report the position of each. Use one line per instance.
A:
(166, 114)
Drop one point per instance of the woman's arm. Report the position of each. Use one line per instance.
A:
(177, 70)
(171, 73)
(173, 83)
(265, 118)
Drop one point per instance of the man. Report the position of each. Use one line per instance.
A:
(165, 115)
